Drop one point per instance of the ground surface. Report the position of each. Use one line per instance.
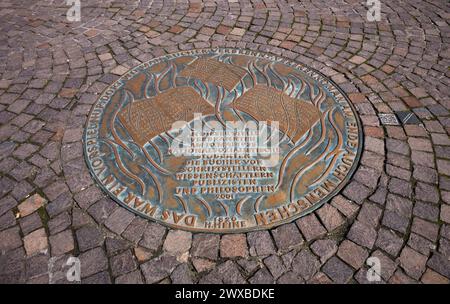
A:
(396, 207)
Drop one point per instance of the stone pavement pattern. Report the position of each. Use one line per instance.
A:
(396, 207)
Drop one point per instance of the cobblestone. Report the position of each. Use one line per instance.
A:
(311, 227)
(233, 245)
(287, 236)
(134, 277)
(153, 236)
(182, 275)
(10, 239)
(122, 263)
(205, 246)
(61, 243)
(92, 262)
(178, 242)
(89, 237)
(305, 264)
(31, 204)
(337, 270)
(157, 269)
(260, 243)
(325, 249)
(389, 241)
(36, 242)
(413, 262)
(362, 235)
(352, 254)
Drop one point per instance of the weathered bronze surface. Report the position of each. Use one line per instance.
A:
(134, 126)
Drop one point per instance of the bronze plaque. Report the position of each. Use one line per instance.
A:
(222, 140)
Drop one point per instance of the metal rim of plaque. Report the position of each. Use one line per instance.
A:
(134, 149)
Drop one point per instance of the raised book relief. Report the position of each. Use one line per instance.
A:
(222, 140)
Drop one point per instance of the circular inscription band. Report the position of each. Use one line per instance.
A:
(222, 140)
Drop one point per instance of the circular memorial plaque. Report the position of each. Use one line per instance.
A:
(222, 140)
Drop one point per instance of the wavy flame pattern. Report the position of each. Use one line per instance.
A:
(147, 165)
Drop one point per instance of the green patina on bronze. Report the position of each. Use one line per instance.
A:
(129, 135)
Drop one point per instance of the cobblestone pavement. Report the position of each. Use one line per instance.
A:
(396, 207)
